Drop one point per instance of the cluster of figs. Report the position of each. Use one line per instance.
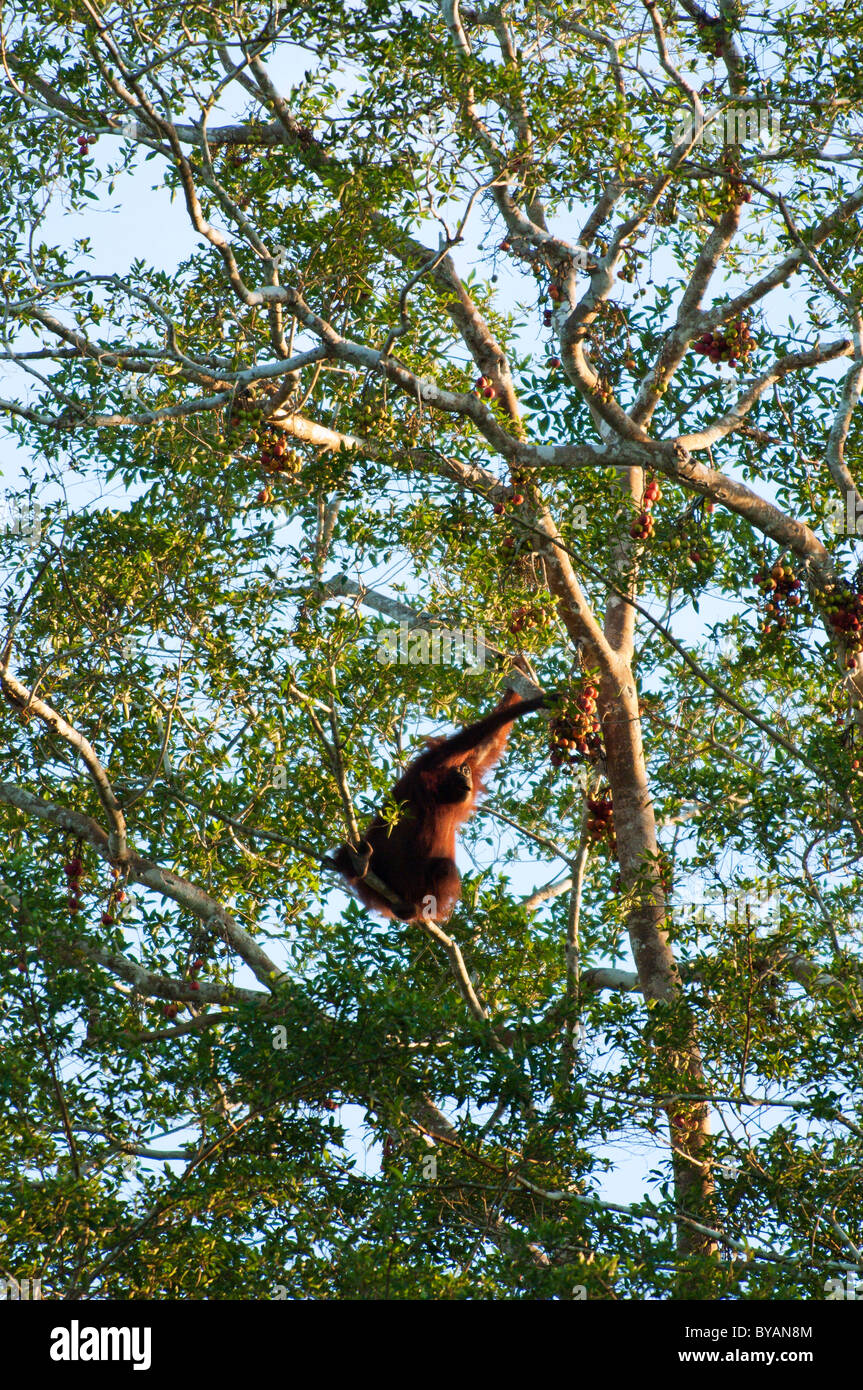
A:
(642, 527)
(732, 344)
(575, 731)
(600, 820)
(74, 872)
(782, 588)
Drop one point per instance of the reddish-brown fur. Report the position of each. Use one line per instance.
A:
(436, 794)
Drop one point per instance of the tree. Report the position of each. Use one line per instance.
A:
(540, 329)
